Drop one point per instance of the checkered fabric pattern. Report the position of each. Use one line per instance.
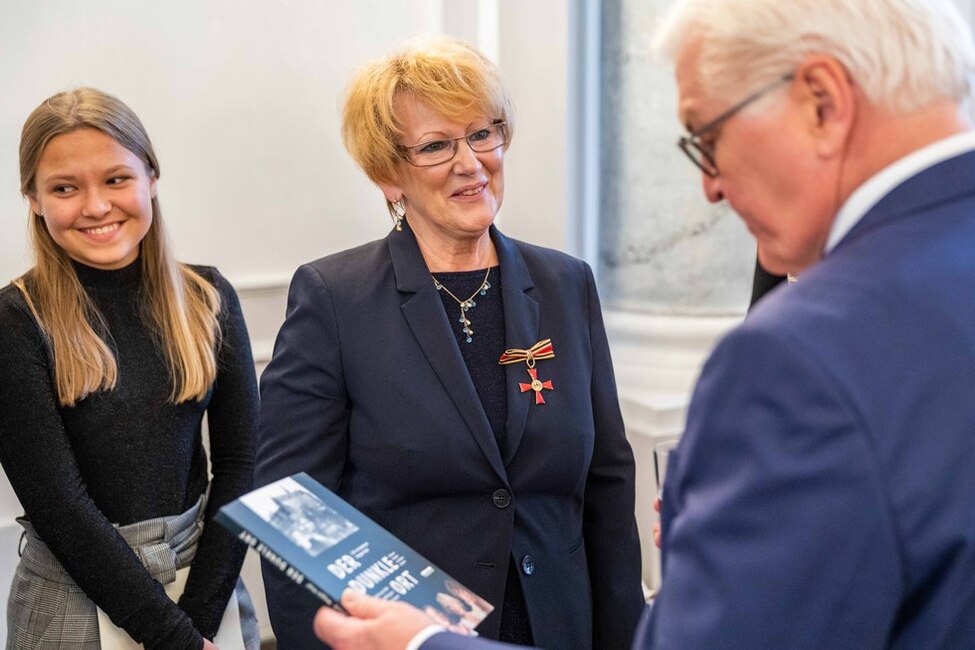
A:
(48, 611)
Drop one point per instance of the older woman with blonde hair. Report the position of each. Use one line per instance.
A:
(112, 353)
(455, 384)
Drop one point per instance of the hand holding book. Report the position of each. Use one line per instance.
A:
(326, 545)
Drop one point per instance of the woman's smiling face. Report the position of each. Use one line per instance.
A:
(95, 197)
(457, 199)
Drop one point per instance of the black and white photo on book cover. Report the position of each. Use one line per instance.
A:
(326, 545)
(300, 515)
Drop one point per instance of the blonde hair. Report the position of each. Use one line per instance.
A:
(180, 305)
(444, 72)
(905, 54)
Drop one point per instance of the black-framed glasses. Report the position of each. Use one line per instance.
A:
(701, 154)
(436, 152)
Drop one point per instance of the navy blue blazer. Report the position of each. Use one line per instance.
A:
(823, 494)
(367, 392)
(825, 498)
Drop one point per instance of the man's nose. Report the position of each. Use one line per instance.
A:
(712, 188)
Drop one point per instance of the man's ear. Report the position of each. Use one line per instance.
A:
(830, 102)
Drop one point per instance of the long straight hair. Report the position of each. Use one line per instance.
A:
(180, 306)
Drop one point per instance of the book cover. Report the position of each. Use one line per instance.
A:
(327, 546)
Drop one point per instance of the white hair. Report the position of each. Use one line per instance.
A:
(904, 54)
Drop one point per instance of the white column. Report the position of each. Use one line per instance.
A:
(674, 271)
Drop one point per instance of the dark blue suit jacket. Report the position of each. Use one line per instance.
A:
(367, 392)
(823, 494)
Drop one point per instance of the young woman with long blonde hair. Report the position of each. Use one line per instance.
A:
(112, 352)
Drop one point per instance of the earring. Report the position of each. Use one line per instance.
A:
(398, 210)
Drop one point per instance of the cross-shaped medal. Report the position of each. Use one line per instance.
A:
(536, 386)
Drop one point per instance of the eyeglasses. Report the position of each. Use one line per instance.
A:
(701, 154)
(437, 152)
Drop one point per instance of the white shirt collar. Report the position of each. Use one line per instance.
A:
(883, 182)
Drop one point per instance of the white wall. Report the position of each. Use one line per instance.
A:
(533, 54)
(241, 99)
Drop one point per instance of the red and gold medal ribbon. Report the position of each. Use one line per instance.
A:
(541, 350)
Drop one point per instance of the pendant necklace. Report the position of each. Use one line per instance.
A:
(465, 304)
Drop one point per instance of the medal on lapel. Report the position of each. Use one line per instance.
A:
(541, 350)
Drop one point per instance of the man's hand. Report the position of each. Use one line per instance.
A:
(372, 624)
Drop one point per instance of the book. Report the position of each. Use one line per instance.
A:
(327, 546)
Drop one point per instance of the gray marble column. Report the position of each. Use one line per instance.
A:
(674, 271)
(662, 248)
(967, 8)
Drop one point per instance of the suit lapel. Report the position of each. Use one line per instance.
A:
(423, 310)
(520, 331)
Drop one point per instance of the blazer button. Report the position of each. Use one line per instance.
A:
(501, 499)
(528, 565)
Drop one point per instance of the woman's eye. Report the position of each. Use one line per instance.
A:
(483, 134)
(434, 147)
(62, 189)
(116, 180)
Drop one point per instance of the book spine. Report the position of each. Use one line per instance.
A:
(262, 549)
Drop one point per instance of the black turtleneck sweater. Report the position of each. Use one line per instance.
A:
(128, 455)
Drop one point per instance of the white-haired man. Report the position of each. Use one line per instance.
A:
(823, 494)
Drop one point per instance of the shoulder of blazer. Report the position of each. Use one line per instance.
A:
(943, 183)
(353, 264)
(356, 256)
(550, 264)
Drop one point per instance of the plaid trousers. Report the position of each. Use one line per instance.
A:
(48, 611)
